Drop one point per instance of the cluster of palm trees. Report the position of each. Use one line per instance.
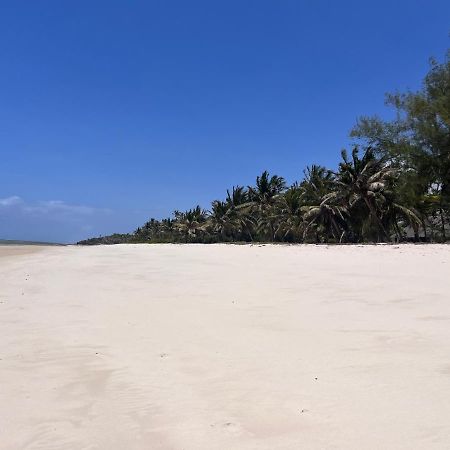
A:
(355, 204)
(396, 188)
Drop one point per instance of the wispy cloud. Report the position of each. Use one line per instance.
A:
(10, 201)
(52, 220)
(50, 207)
(61, 221)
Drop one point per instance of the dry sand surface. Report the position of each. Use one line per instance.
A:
(192, 347)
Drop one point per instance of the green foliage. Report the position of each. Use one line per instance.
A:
(418, 143)
(397, 186)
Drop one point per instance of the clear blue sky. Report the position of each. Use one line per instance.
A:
(113, 112)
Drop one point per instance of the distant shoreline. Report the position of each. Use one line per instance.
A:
(18, 242)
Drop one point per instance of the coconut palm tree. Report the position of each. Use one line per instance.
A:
(317, 182)
(368, 185)
(191, 222)
(324, 213)
(267, 189)
(238, 196)
(239, 215)
(220, 220)
(328, 218)
(262, 199)
(290, 215)
(361, 181)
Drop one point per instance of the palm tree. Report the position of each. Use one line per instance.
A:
(190, 222)
(237, 196)
(367, 185)
(267, 189)
(328, 218)
(290, 215)
(220, 219)
(262, 199)
(240, 219)
(323, 212)
(317, 182)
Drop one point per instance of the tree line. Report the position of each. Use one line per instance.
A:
(394, 185)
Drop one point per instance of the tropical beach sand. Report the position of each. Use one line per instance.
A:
(192, 347)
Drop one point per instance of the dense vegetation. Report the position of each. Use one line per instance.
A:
(394, 185)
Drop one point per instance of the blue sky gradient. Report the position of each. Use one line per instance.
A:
(113, 112)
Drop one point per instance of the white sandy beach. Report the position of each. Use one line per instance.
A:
(227, 347)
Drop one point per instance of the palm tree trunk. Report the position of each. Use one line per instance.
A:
(416, 232)
(399, 233)
(335, 229)
(424, 226)
(441, 213)
(374, 213)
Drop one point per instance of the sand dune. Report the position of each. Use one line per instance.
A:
(225, 347)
